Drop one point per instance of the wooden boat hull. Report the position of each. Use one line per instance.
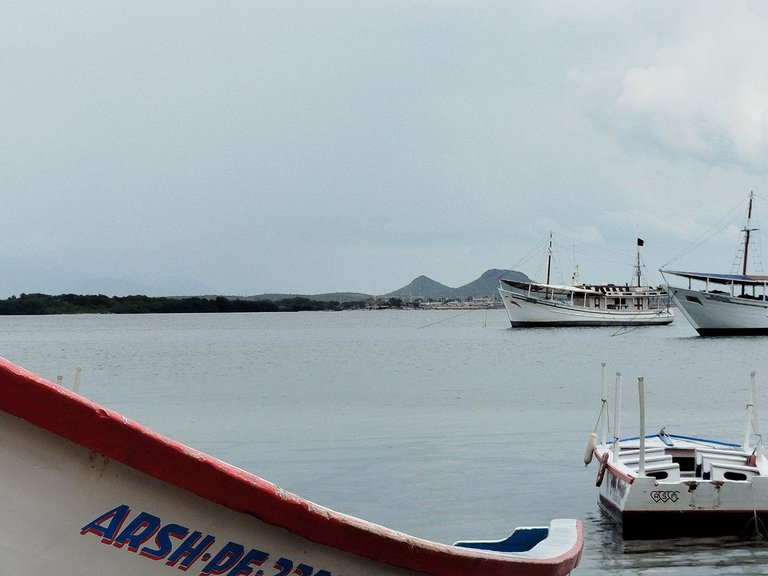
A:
(719, 314)
(649, 507)
(528, 312)
(659, 511)
(88, 492)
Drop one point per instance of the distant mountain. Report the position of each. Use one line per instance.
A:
(488, 283)
(422, 287)
(484, 287)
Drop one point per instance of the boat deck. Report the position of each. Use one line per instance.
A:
(675, 459)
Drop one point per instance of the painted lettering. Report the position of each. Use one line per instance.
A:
(224, 560)
(244, 567)
(163, 541)
(284, 566)
(141, 529)
(190, 550)
(115, 519)
(146, 535)
(303, 570)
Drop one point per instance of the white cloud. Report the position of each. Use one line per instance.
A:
(706, 93)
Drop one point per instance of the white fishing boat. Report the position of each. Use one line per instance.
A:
(88, 492)
(663, 485)
(724, 304)
(532, 304)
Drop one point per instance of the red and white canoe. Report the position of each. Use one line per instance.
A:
(89, 492)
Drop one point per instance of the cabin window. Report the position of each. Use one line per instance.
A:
(618, 304)
(659, 474)
(693, 299)
(731, 475)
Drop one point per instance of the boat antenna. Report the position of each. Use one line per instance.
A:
(575, 275)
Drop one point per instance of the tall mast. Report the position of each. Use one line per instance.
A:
(549, 257)
(746, 231)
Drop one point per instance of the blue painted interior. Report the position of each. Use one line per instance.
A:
(521, 540)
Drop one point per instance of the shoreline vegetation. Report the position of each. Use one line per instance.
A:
(421, 293)
(44, 304)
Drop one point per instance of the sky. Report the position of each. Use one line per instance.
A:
(249, 147)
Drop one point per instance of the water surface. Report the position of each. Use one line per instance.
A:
(446, 425)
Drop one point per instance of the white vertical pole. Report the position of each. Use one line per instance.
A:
(617, 417)
(747, 425)
(641, 391)
(755, 412)
(604, 405)
(77, 379)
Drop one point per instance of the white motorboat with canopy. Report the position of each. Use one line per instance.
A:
(725, 304)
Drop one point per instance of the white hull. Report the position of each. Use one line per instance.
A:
(700, 488)
(525, 311)
(721, 314)
(89, 492)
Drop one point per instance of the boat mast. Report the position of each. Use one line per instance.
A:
(638, 273)
(747, 229)
(549, 257)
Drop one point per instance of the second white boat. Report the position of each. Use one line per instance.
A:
(533, 304)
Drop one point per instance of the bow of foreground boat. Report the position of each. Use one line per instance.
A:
(90, 492)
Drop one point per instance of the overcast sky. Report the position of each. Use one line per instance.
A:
(248, 147)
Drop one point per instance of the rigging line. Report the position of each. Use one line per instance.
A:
(603, 409)
(626, 329)
(536, 249)
(754, 526)
(715, 229)
(444, 319)
(589, 247)
(591, 256)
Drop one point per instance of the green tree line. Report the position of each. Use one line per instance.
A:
(37, 304)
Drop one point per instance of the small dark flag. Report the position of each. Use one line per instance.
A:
(640, 242)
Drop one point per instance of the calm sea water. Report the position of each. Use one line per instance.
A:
(446, 425)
